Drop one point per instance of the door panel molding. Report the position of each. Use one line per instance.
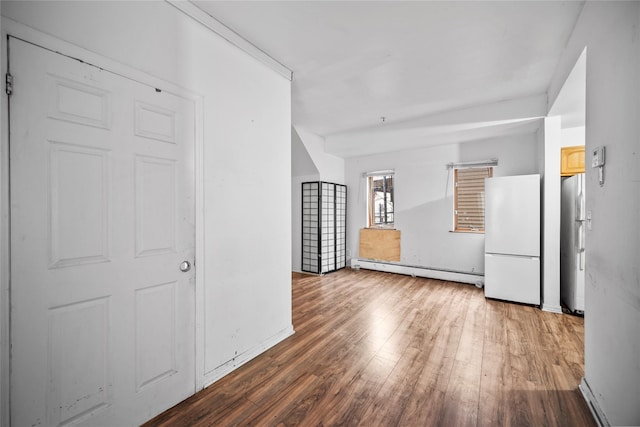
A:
(30, 35)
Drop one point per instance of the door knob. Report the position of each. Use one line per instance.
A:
(185, 266)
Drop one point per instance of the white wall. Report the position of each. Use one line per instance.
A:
(303, 169)
(246, 128)
(4, 273)
(610, 32)
(551, 215)
(424, 198)
(330, 167)
(564, 127)
(310, 162)
(573, 136)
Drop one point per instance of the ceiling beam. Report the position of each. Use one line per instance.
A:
(231, 36)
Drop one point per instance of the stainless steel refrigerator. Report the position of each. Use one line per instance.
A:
(512, 238)
(572, 244)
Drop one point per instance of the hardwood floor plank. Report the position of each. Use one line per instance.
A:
(426, 400)
(375, 348)
(463, 390)
(428, 403)
(496, 380)
(360, 394)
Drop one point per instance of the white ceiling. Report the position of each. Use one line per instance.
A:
(433, 70)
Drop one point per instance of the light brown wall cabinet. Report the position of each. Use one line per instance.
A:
(571, 160)
(379, 244)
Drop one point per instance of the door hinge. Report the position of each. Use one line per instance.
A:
(8, 84)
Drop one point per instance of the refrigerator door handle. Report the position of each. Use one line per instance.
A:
(580, 202)
(491, 254)
(580, 237)
(580, 209)
(581, 245)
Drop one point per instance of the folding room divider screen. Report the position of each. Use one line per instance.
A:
(324, 226)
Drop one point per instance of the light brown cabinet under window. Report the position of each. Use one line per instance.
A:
(571, 160)
(379, 244)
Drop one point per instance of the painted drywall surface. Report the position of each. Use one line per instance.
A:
(303, 169)
(247, 177)
(551, 215)
(563, 127)
(330, 167)
(325, 167)
(612, 300)
(424, 198)
(301, 162)
(4, 283)
(573, 136)
(570, 101)
(474, 123)
(540, 156)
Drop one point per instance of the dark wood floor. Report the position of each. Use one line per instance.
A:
(378, 349)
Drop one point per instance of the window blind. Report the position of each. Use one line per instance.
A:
(469, 198)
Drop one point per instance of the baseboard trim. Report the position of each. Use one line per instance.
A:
(233, 364)
(596, 411)
(551, 308)
(428, 272)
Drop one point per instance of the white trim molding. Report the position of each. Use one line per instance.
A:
(199, 15)
(551, 308)
(239, 360)
(592, 403)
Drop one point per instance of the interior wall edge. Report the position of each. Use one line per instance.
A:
(243, 358)
(592, 403)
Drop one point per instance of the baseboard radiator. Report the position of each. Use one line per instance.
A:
(418, 271)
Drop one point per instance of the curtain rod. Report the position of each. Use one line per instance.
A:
(461, 165)
(378, 173)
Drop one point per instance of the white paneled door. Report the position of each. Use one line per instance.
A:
(102, 217)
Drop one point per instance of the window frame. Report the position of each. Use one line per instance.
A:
(371, 212)
(457, 228)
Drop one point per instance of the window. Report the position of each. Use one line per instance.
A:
(380, 202)
(468, 198)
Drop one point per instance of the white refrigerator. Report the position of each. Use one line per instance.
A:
(512, 238)
(572, 223)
